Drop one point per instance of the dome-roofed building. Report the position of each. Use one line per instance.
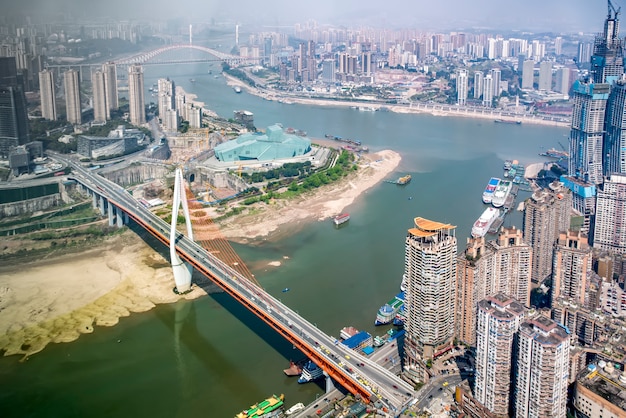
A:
(274, 144)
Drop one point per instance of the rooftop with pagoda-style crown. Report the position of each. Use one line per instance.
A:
(427, 228)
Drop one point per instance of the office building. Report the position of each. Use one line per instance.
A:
(610, 223)
(562, 84)
(166, 96)
(541, 369)
(46, 93)
(478, 84)
(430, 269)
(498, 320)
(496, 76)
(546, 214)
(545, 75)
(571, 266)
(461, 87)
(72, 97)
(583, 202)
(328, 71)
(614, 147)
(607, 61)
(13, 111)
(584, 52)
(558, 45)
(587, 133)
(366, 63)
(100, 108)
(528, 74)
(488, 91)
(110, 85)
(136, 99)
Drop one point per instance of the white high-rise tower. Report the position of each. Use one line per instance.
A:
(48, 99)
(136, 95)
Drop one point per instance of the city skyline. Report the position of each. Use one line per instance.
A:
(552, 15)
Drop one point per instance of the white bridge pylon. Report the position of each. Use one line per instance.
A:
(182, 270)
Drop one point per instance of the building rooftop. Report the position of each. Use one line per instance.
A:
(608, 381)
(428, 228)
(544, 330)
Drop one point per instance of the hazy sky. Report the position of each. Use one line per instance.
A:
(535, 15)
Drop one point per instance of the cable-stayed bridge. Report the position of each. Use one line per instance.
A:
(348, 368)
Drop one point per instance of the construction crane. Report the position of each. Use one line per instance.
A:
(611, 7)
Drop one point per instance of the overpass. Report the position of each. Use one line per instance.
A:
(355, 372)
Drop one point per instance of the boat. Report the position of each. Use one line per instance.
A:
(400, 318)
(193, 80)
(404, 180)
(294, 369)
(508, 164)
(348, 332)
(296, 408)
(310, 372)
(482, 224)
(554, 153)
(388, 311)
(510, 122)
(285, 290)
(501, 193)
(491, 187)
(340, 219)
(379, 341)
(237, 89)
(270, 407)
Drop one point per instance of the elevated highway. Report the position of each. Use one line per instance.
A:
(350, 369)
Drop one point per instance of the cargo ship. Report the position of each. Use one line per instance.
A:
(341, 219)
(404, 180)
(490, 189)
(510, 122)
(554, 153)
(501, 193)
(270, 407)
(310, 372)
(482, 224)
(388, 311)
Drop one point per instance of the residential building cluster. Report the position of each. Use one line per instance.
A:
(529, 354)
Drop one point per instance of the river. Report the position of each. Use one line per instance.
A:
(211, 358)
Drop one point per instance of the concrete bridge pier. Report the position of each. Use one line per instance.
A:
(330, 385)
(111, 214)
(94, 199)
(102, 205)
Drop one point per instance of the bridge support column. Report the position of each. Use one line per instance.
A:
(120, 217)
(102, 205)
(182, 270)
(330, 385)
(111, 212)
(94, 199)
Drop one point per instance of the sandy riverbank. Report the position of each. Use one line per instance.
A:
(59, 299)
(56, 300)
(269, 221)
